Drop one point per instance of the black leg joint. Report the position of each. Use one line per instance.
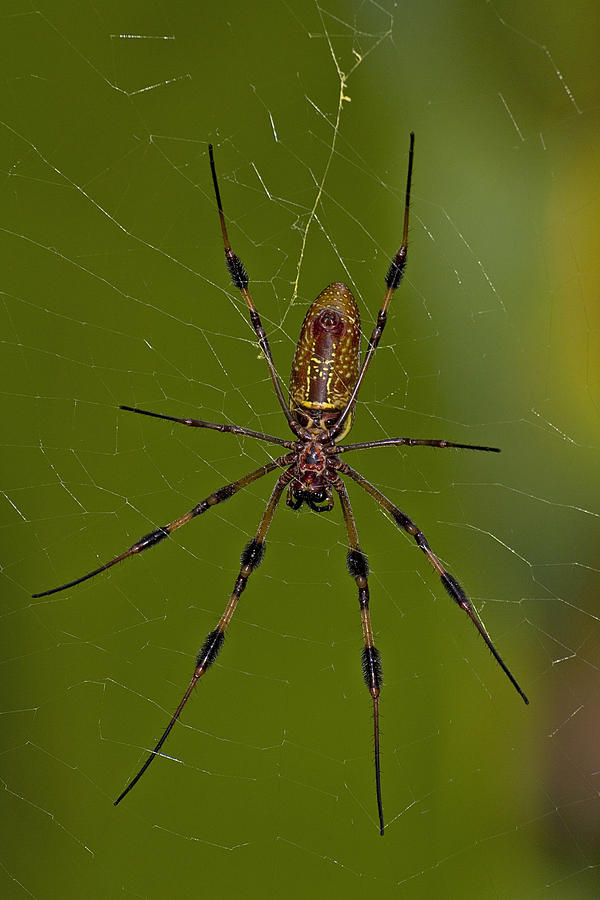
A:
(358, 565)
(210, 649)
(422, 541)
(371, 666)
(399, 518)
(237, 271)
(363, 596)
(396, 270)
(149, 540)
(253, 554)
(454, 589)
(224, 493)
(256, 323)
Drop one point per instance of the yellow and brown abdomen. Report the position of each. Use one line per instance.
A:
(326, 361)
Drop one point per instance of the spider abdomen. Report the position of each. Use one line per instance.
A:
(326, 361)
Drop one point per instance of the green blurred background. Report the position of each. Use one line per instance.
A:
(114, 291)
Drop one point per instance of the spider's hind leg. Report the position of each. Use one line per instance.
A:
(449, 581)
(252, 556)
(358, 568)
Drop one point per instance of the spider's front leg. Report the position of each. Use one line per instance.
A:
(240, 280)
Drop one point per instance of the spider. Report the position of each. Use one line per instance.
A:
(327, 374)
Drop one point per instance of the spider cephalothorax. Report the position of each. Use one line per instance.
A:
(326, 376)
(310, 482)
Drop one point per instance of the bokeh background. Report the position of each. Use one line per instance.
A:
(114, 291)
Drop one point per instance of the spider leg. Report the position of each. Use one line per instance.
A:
(449, 581)
(215, 426)
(408, 442)
(239, 278)
(154, 537)
(392, 282)
(251, 558)
(371, 661)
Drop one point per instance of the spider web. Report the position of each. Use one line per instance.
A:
(115, 293)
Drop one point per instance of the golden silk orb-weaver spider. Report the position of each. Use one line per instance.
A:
(327, 374)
